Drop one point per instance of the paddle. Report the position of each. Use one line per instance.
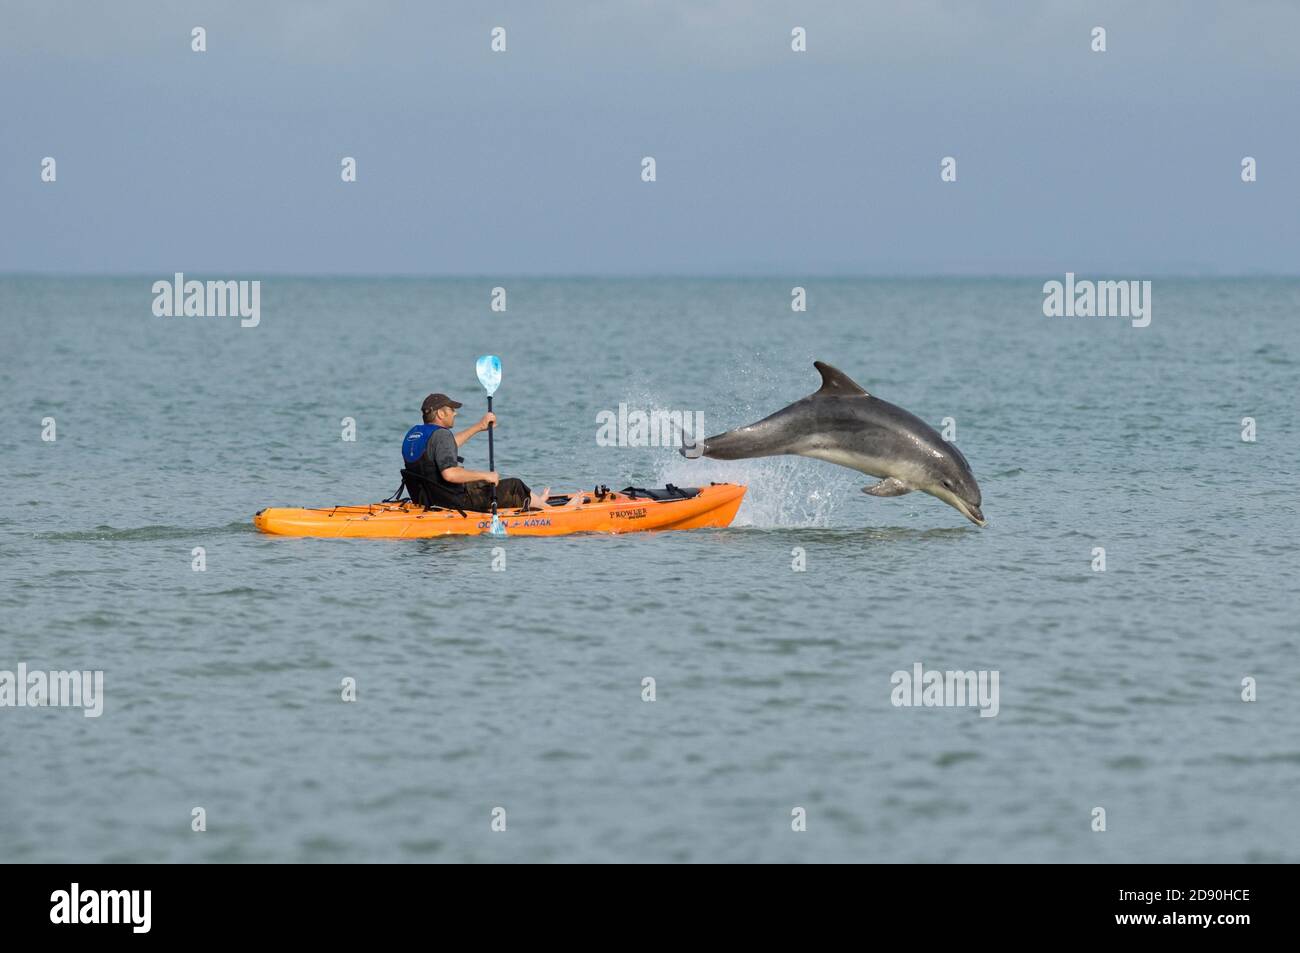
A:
(488, 368)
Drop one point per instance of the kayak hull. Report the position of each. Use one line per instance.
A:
(713, 506)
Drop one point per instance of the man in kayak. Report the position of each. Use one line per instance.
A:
(429, 450)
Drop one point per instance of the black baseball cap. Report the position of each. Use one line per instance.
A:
(434, 401)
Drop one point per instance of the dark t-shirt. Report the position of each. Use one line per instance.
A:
(441, 451)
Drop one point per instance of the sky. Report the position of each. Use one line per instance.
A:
(227, 162)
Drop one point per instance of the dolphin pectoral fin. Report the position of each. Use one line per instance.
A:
(889, 487)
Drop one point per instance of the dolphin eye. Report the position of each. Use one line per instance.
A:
(948, 484)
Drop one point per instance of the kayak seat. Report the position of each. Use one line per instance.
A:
(669, 492)
(428, 493)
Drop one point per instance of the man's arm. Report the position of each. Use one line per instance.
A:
(469, 431)
(461, 475)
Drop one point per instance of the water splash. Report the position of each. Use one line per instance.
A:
(783, 491)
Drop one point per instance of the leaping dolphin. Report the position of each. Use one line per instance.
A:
(845, 425)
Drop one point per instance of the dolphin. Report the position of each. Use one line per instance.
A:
(843, 424)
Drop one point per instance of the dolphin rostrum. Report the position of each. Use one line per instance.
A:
(845, 425)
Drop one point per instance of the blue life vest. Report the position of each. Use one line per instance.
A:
(416, 439)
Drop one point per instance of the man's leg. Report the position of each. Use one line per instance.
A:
(512, 493)
(478, 496)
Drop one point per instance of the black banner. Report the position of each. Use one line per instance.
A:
(331, 903)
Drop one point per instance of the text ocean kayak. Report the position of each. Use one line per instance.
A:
(628, 511)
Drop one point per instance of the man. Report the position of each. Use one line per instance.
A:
(429, 450)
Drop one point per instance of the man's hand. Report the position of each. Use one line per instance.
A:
(472, 429)
(492, 477)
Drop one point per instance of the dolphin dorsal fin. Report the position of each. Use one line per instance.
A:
(835, 383)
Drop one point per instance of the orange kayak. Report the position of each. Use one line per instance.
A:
(628, 511)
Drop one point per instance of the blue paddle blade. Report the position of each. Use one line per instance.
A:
(488, 368)
(497, 528)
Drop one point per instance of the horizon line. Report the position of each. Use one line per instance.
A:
(647, 276)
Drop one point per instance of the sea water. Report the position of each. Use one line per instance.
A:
(517, 696)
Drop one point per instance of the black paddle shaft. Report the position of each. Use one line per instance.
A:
(492, 460)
